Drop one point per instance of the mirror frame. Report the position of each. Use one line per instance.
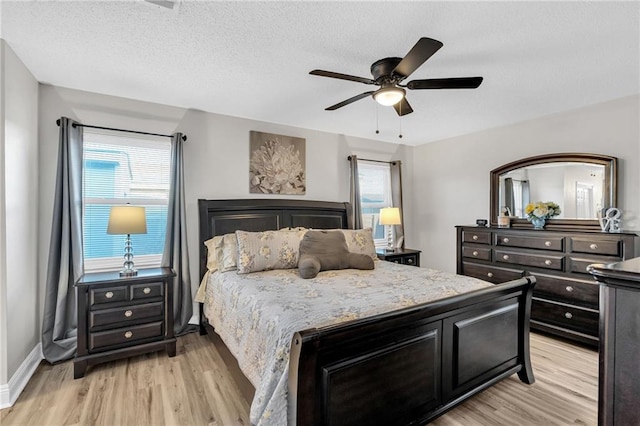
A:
(609, 192)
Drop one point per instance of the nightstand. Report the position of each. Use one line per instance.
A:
(404, 256)
(119, 317)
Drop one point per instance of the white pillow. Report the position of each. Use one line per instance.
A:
(261, 251)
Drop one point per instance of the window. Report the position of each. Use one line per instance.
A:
(375, 193)
(121, 168)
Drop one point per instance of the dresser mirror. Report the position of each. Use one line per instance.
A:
(581, 184)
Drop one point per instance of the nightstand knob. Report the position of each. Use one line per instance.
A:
(506, 240)
(475, 237)
(396, 261)
(568, 315)
(128, 335)
(569, 288)
(128, 314)
(548, 262)
(547, 243)
(410, 261)
(475, 253)
(108, 294)
(505, 257)
(146, 290)
(490, 274)
(593, 247)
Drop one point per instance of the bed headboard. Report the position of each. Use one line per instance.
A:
(219, 217)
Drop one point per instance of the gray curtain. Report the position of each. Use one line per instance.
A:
(175, 253)
(509, 198)
(65, 267)
(396, 196)
(354, 197)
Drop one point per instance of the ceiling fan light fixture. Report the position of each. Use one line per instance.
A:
(388, 96)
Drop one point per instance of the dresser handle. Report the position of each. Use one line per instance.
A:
(593, 247)
(548, 262)
(568, 315)
(146, 290)
(128, 313)
(490, 274)
(475, 237)
(475, 253)
(547, 243)
(108, 294)
(128, 335)
(505, 257)
(506, 240)
(569, 288)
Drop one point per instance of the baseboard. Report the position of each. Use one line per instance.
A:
(9, 392)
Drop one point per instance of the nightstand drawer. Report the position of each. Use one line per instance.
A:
(145, 291)
(126, 335)
(108, 295)
(125, 313)
(410, 259)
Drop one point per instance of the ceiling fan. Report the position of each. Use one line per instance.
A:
(388, 73)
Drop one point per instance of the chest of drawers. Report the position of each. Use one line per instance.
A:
(120, 317)
(566, 298)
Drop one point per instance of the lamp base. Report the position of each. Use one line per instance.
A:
(128, 273)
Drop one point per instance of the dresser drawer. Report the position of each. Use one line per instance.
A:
(476, 253)
(607, 247)
(146, 291)
(125, 336)
(546, 261)
(492, 274)
(480, 237)
(108, 295)
(125, 313)
(568, 291)
(553, 243)
(567, 316)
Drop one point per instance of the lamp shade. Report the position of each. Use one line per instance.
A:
(390, 216)
(127, 220)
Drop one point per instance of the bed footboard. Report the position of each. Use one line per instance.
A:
(412, 365)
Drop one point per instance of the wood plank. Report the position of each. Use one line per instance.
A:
(197, 387)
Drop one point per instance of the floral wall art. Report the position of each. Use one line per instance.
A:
(277, 164)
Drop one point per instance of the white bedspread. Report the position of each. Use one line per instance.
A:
(257, 314)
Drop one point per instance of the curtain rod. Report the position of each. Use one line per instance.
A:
(184, 137)
(373, 161)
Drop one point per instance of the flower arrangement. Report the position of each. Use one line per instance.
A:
(541, 210)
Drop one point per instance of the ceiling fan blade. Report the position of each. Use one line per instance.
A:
(423, 50)
(445, 83)
(348, 101)
(403, 107)
(323, 73)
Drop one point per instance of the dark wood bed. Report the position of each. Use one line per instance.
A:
(404, 367)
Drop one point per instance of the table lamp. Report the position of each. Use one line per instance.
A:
(390, 216)
(127, 220)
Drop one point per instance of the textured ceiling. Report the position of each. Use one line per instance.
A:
(252, 59)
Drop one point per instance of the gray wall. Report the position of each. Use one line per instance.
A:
(19, 314)
(454, 173)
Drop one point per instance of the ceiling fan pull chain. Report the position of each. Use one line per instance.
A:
(400, 118)
(377, 125)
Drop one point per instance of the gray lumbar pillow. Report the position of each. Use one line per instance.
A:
(326, 250)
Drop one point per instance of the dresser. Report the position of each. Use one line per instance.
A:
(566, 297)
(400, 255)
(119, 317)
(619, 375)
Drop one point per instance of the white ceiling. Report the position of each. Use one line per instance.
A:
(252, 59)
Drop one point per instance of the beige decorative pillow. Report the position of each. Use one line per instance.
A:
(212, 259)
(261, 251)
(361, 241)
(227, 252)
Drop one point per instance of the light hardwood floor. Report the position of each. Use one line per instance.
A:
(197, 388)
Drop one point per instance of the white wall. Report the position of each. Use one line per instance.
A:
(216, 154)
(18, 220)
(453, 174)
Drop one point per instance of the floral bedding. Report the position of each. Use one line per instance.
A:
(257, 314)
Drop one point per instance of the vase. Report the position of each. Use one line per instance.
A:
(538, 222)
